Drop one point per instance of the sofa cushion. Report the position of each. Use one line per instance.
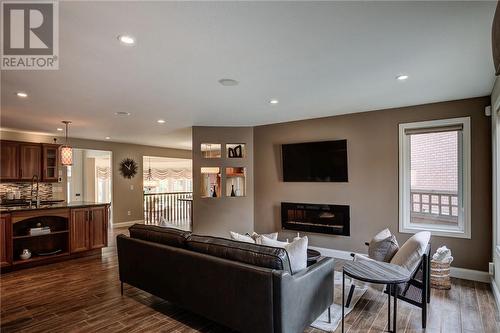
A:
(167, 236)
(253, 254)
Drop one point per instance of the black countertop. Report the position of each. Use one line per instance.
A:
(59, 205)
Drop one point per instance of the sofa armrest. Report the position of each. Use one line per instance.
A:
(301, 298)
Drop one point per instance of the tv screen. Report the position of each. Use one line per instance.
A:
(324, 161)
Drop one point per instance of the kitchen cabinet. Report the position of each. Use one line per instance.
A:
(9, 159)
(5, 241)
(50, 162)
(30, 159)
(89, 227)
(20, 161)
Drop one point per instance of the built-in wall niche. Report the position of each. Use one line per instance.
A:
(210, 182)
(235, 150)
(211, 150)
(236, 181)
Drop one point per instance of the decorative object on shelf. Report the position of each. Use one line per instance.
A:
(128, 168)
(49, 252)
(25, 255)
(214, 191)
(236, 152)
(440, 269)
(66, 150)
(233, 194)
(39, 231)
(149, 182)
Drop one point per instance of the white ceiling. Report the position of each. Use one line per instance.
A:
(317, 58)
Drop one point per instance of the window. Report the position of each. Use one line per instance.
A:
(434, 177)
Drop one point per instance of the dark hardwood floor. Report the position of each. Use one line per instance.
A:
(83, 295)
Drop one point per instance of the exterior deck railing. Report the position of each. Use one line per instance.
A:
(175, 207)
(428, 206)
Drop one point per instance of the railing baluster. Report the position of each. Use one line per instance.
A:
(170, 206)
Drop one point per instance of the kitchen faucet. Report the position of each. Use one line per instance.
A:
(37, 197)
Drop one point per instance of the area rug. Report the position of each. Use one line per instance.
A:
(336, 308)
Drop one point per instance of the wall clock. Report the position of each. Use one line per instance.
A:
(128, 168)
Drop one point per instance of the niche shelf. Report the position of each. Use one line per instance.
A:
(211, 150)
(236, 181)
(210, 181)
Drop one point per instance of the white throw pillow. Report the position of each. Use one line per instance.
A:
(166, 224)
(408, 255)
(297, 251)
(382, 235)
(257, 238)
(241, 238)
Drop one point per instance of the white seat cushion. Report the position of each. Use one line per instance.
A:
(412, 250)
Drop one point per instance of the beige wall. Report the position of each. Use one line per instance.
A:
(372, 190)
(127, 193)
(218, 216)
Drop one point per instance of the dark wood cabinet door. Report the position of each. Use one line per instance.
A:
(79, 230)
(5, 241)
(98, 227)
(9, 159)
(30, 160)
(50, 163)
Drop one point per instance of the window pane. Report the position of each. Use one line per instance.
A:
(434, 174)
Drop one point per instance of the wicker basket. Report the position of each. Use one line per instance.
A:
(440, 275)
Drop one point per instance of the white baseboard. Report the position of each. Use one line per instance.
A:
(456, 272)
(496, 293)
(127, 223)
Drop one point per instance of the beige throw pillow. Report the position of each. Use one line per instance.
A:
(257, 238)
(297, 251)
(383, 249)
(412, 250)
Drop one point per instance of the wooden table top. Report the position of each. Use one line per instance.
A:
(376, 272)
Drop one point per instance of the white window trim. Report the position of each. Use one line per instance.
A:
(464, 228)
(495, 128)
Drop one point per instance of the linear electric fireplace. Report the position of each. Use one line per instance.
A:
(325, 219)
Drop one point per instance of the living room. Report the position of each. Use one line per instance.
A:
(250, 166)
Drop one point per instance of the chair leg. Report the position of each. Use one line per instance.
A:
(349, 297)
(329, 316)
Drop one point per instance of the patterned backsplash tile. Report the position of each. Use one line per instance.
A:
(45, 190)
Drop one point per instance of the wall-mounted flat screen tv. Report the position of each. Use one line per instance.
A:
(324, 161)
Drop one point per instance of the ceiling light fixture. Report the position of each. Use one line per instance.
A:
(274, 101)
(21, 94)
(126, 39)
(160, 121)
(150, 182)
(108, 138)
(60, 129)
(66, 150)
(402, 77)
(228, 82)
(122, 113)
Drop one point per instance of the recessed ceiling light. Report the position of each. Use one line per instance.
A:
(274, 101)
(122, 113)
(126, 39)
(228, 82)
(160, 121)
(108, 138)
(402, 77)
(60, 129)
(21, 94)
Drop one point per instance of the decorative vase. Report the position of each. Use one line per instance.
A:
(26, 254)
(233, 194)
(214, 192)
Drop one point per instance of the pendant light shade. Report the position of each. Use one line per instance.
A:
(66, 155)
(66, 150)
(149, 182)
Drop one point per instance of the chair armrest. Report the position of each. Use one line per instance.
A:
(301, 298)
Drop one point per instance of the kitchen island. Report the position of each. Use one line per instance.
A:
(33, 235)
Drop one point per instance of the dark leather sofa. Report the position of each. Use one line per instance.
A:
(246, 287)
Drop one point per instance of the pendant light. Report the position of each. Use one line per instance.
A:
(66, 150)
(149, 182)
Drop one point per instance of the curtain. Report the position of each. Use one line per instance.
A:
(161, 174)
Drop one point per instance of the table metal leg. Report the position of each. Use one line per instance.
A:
(343, 296)
(396, 290)
(329, 316)
(389, 288)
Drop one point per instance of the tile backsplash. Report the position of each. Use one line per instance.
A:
(47, 191)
